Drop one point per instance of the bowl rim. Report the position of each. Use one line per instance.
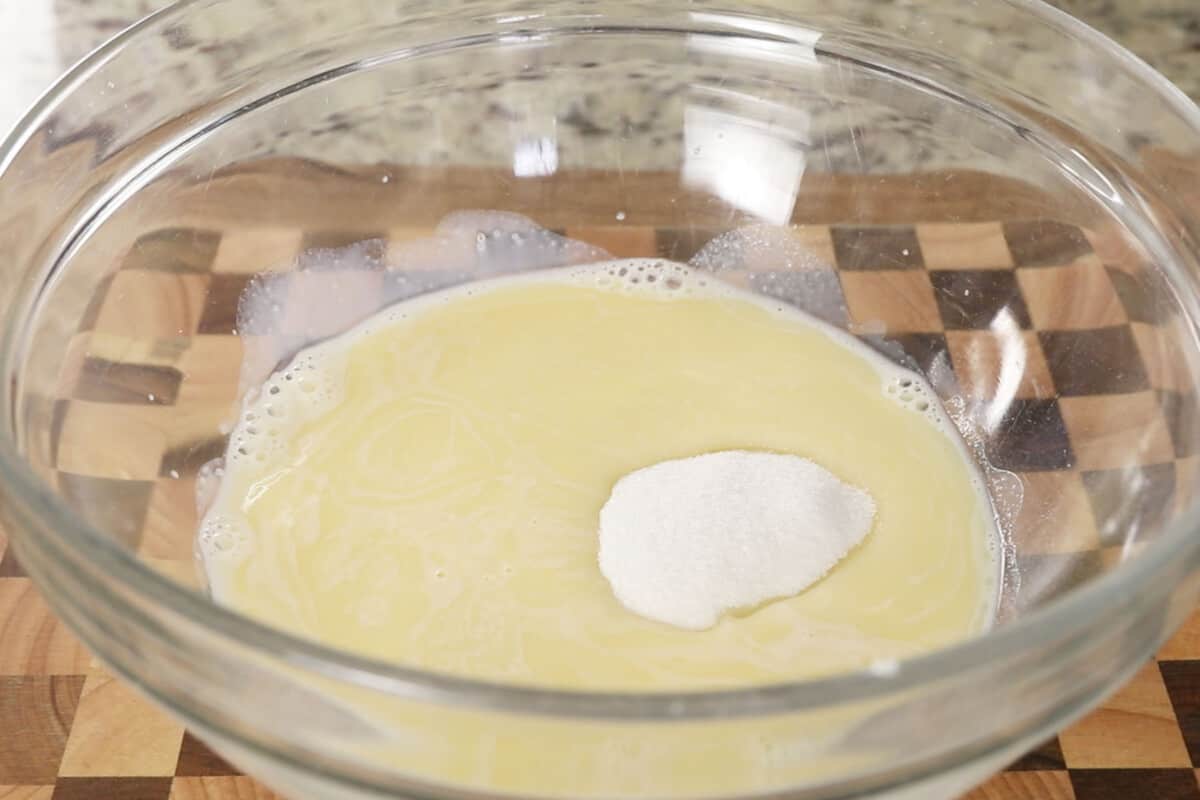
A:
(78, 539)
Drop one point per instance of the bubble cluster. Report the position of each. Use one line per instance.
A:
(1004, 492)
(644, 276)
(222, 538)
(754, 248)
(911, 392)
(208, 482)
(307, 387)
(996, 487)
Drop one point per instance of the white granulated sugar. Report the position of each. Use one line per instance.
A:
(685, 541)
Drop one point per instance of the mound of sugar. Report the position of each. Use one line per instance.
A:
(685, 541)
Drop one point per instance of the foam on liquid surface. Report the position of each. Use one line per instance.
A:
(425, 487)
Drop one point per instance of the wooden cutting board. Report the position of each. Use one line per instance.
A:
(927, 261)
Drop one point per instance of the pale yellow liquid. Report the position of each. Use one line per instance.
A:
(426, 490)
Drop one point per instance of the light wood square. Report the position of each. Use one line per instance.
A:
(142, 304)
(119, 733)
(817, 243)
(1113, 431)
(171, 520)
(964, 246)
(253, 250)
(1078, 296)
(111, 440)
(1135, 728)
(1113, 246)
(1055, 516)
(1031, 785)
(1164, 363)
(225, 787)
(1185, 644)
(891, 301)
(989, 365)
(26, 792)
(1187, 482)
(35, 641)
(210, 369)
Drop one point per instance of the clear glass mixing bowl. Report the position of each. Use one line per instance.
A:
(988, 192)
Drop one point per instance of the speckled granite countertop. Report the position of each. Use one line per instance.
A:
(1165, 33)
(39, 38)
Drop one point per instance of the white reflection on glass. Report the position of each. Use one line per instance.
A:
(753, 166)
(1013, 359)
(785, 42)
(534, 156)
(28, 58)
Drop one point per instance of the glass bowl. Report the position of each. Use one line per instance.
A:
(989, 193)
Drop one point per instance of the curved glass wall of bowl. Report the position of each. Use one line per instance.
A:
(1025, 237)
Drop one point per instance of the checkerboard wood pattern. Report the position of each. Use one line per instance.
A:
(152, 371)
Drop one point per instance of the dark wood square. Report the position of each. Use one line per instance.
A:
(87, 320)
(817, 291)
(882, 247)
(1040, 243)
(1134, 784)
(43, 421)
(1048, 756)
(188, 458)
(1182, 679)
(197, 760)
(1143, 296)
(112, 789)
(106, 381)
(1031, 437)
(174, 250)
(1046, 576)
(927, 353)
(1182, 414)
(680, 244)
(37, 712)
(58, 418)
(973, 299)
(1100, 361)
(373, 242)
(9, 566)
(1122, 515)
(225, 291)
(115, 506)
